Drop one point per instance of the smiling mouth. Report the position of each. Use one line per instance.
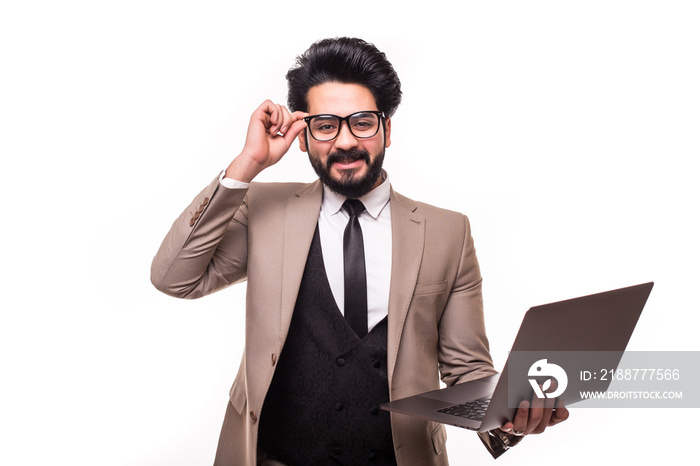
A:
(349, 163)
(348, 160)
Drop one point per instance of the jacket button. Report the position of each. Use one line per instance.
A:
(340, 362)
(192, 222)
(374, 411)
(372, 456)
(253, 417)
(339, 406)
(377, 363)
(205, 201)
(274, 359)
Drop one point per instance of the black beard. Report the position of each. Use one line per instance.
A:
(346, 186)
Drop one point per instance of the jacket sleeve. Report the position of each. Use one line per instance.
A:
(463, 346)
(463, 359)
(206, 247)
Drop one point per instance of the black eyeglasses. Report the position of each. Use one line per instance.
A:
(362, 125)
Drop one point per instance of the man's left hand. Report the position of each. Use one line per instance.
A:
(536, 418)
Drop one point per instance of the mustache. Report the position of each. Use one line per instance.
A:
(346, 156)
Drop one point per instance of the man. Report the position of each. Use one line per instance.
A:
(356, 294)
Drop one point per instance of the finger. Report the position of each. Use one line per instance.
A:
(293, 131)
(297, 116)
(287, 120)
(546, 416)
(507, 427)
(535, 414)
(291, 118)
(284, 119)
(275, 119)
(265, 114)
(280, 120)
(544, 421)
(297, 126)
(521, 417)
(560, 414)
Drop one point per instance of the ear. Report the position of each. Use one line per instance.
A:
(387, 132)
(302, 140)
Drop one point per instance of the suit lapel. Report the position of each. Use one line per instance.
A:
(301, 217)
(408, 237)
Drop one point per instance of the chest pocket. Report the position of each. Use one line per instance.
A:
(423, 289)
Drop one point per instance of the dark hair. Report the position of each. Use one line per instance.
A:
(344, 60)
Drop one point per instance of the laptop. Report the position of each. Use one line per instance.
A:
(556, 341)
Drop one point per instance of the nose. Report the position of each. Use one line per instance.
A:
(345, 139)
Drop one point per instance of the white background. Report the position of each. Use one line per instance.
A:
(567, 131)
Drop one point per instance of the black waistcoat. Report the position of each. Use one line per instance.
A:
(322, 407)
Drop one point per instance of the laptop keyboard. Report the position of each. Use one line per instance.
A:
(474, 410)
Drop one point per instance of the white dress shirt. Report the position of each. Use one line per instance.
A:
(375, 222)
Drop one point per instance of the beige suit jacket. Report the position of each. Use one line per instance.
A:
(263, 234)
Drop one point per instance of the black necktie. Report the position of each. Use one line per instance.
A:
(354, 268)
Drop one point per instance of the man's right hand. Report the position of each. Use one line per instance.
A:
(271, 131)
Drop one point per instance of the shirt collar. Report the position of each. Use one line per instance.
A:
(374, 201)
